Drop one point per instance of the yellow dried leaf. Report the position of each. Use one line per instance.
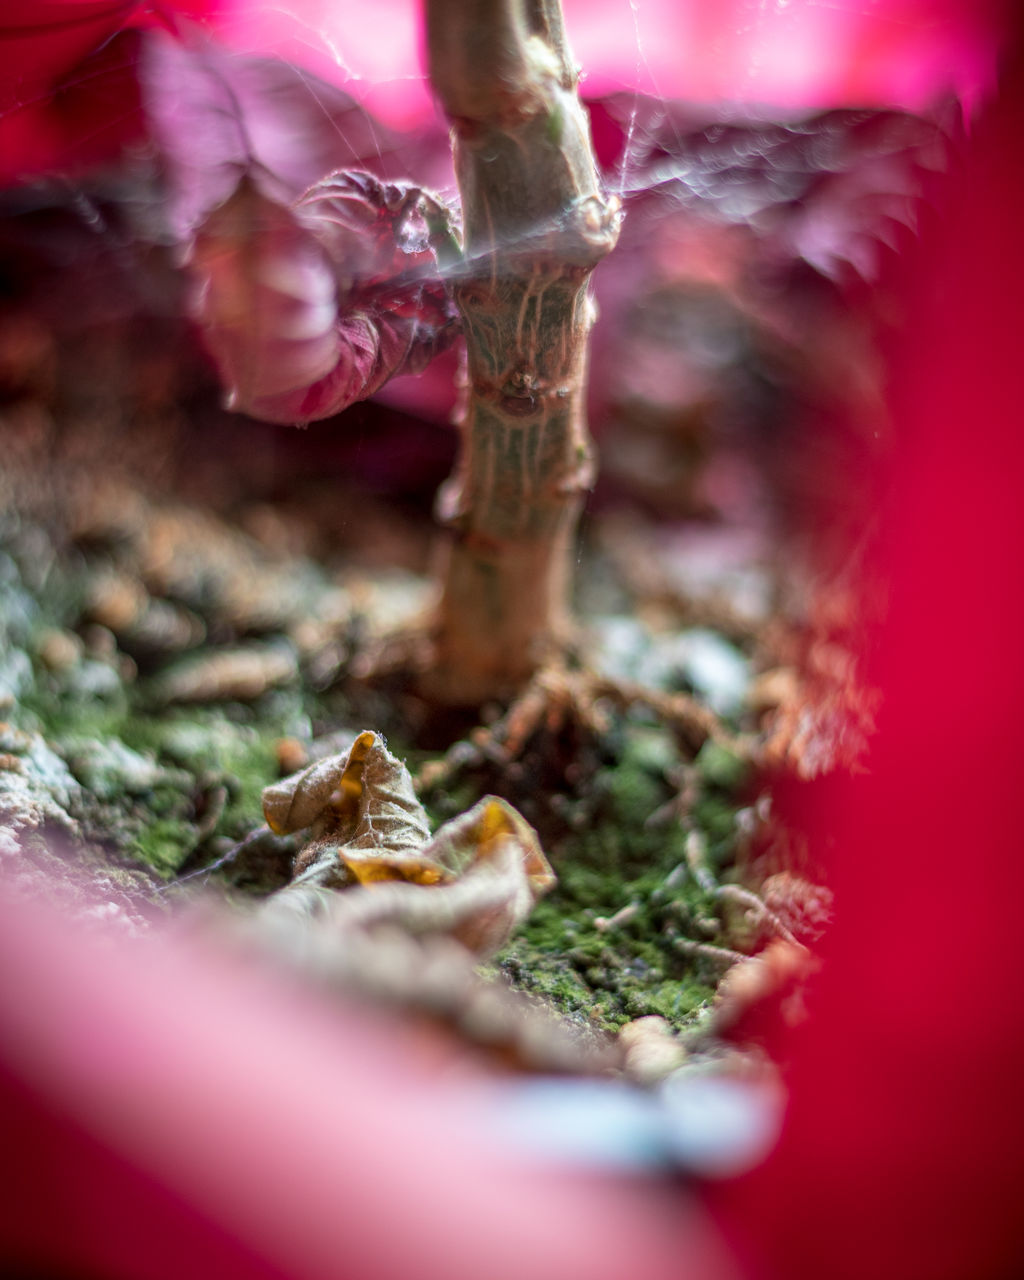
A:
(484, 870)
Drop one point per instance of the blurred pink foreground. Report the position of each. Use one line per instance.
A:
(165, 1111)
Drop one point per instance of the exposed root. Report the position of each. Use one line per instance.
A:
(724, 956)
(553, 700)
(557, 698)
(761, 911)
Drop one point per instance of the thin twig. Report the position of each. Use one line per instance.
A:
(705, 951)
(252, 838)
(744, 897)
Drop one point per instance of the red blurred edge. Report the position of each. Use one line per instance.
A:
(171, 1114)
(903, 1150)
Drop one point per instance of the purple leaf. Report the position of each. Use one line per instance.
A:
(217, 114)
(309, 308)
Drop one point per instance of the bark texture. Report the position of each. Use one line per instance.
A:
(536, 223)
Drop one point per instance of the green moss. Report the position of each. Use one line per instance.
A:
(607, 977)
(215, 751)
(613, 973)
(164, 844)
(141, 773)
(55, 715)
(621, 859)
(241, 756)
(620, 838)
(721, 767)
(147, 774)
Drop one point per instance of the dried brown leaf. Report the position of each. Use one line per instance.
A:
(369, 836)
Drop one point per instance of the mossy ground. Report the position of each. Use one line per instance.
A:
(156, 815)
(174, 789)
(603, 945)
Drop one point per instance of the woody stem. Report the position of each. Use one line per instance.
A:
(536, 223)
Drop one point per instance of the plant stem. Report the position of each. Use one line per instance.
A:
(536, 223)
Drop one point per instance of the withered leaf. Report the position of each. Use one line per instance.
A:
(475, 880)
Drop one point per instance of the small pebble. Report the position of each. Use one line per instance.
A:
(229, 675)
(58, 650)
(651, 1050)
(116, 601)
(13, 739)
(291, 756)
(100, 641)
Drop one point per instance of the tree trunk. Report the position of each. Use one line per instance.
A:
(536, 223)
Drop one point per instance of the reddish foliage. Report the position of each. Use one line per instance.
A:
(215, 114)
(903, 1154)
(309, 308)
(904, 1144)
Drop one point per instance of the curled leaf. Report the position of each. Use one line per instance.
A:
(484, 869)
(310, 307)
(363, 814)
(474, 881)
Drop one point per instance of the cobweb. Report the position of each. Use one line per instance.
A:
(807, 125)
(757, 58)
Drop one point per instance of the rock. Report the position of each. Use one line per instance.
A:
(58, 650)
(109, 769)
(651, 1050)
(714, 668)
(18, 608)
(91, 681)
(36, 786)
(15, 677)
(291, 755)
(696, 659)
(230, 675)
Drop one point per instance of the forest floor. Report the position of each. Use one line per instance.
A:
(194, 606)
(163, 662)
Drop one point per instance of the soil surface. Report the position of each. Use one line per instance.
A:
(194, 605)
